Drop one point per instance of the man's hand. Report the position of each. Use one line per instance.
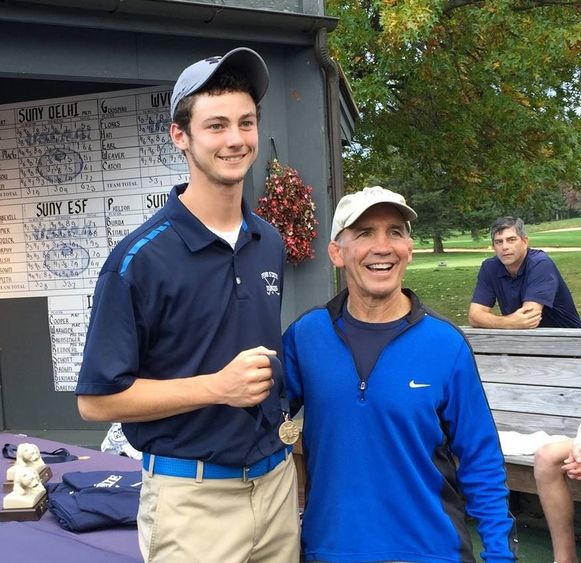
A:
(246, 381)
(572, 465)
(525, 317)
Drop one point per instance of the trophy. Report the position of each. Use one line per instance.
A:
(27, 455)
(28, 499)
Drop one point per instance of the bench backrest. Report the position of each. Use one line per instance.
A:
(532, 378)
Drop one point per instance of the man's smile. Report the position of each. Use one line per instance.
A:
(233, 158)
(379, 267)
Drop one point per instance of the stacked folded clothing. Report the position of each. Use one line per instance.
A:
(515, 443)
(92, 500)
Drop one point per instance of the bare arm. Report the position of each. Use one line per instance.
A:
(246, 381)
(528, 316)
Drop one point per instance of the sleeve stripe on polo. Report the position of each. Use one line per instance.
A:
(140, 244)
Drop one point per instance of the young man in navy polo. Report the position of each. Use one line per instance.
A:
(526, 283)
(184, 336)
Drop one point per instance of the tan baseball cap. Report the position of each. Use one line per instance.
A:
(352, 206)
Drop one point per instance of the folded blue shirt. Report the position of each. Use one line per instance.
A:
(93, 500)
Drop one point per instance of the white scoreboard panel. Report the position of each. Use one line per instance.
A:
(76, 175)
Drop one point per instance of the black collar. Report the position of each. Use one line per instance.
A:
(417, 312)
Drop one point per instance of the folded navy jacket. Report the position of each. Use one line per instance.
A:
(92, 500)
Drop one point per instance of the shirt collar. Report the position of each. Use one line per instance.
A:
(503, 272)
(335, 306)
(193, 232)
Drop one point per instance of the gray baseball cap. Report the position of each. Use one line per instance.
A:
(245, 60)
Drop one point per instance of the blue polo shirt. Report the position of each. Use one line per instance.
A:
(174, 300)
(538, 280)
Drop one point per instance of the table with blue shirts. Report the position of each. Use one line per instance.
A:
(44, 541)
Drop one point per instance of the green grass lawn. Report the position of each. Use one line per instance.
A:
(534, 543)
(445, 282)
(563, 224)
(556, 239)
(538, 237)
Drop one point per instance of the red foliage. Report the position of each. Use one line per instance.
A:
(288, 205)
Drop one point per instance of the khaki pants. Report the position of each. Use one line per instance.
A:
(181, 520)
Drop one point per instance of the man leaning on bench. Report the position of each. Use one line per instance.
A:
(531, 293)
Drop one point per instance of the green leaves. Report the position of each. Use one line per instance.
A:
(477, 100)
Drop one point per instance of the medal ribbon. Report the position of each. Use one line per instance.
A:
(269, 418)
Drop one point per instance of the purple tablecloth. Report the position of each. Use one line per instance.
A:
(45, 540)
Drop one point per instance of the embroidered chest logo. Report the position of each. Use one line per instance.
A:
(415, 385)
(109, 482)
(271, 280)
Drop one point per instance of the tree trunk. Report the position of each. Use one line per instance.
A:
(438, 244)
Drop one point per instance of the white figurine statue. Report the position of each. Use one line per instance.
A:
(27, 455)
(28, 489)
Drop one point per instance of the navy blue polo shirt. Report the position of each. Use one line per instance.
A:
(538, 280)
(174, 300)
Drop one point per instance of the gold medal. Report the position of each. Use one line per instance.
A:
(288, 432)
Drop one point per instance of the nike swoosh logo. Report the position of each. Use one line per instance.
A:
(415, 385)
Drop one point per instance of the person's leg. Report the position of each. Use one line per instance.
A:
(556, 499)
(276, 510)
(181, 520)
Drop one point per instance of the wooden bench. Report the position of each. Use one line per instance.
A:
(532, 379)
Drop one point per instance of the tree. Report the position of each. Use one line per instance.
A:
(572, 198)
(467, 107)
